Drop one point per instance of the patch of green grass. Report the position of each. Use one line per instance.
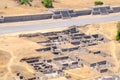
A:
(118, 26)
(98, 3)
(47, 3)
(118, 36)
(118, 31)
(25, 2)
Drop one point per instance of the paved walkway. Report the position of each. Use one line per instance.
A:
(61, 23)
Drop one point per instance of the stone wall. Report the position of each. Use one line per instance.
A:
(116, 9)
(83, 12)
(1, 19)
(27, 17)
(6, 19)
(30, 35)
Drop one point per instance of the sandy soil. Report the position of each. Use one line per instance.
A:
(13, 8)
(61, 78)
(17, 48)
(12, 49)
(112, 47)
(79, 4)
(109, 31)
(4, 62)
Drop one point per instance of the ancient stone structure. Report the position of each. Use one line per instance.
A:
(66, 49)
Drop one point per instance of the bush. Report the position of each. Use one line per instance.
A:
(5, 7)
(98, 3)
(118, 36)
(47, 3)
(118, 26)
(118, 31)
(22, 1)
(25, 2)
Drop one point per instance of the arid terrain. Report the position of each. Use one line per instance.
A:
(12, 7)
(13, 49)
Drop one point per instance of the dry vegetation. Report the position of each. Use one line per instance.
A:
(12, 49)
(11, 7)
(109, 30)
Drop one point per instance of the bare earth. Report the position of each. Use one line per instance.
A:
(14, 8)
(12, 49)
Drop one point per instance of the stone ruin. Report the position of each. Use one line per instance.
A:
(70, 36)
(70, 52)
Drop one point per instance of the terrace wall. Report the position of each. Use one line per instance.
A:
(116, 9)
(6, 19)
(83, 12)
(27, 17)
(1, 19)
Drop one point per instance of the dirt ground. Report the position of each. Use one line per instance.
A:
(12, 49)
(12, 7)
(112, 47)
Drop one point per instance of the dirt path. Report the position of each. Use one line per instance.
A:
(114, 56)
(9, 66)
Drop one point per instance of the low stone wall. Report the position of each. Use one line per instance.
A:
(30, 35)
(1, 19)
(83, 12)
(48, 16)
(40, 16)
(27, 17)
(116, 9)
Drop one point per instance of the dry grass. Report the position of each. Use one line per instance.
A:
(14, 8)
(109, 31)
(82, 73)
(79, 4)
(17, 48)
(61, 78)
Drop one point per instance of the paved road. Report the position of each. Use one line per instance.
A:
(63, 23)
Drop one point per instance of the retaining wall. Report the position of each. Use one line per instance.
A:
(27, 17)
(116, 9)
(83, 12)
(47, 16)
(1, 20)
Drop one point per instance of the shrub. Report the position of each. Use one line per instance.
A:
(98, 3)
(25, 2)
(22, 1)
(118, 36)
(118, 31)
(5, 7)
(118, 26)
(47, 3)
